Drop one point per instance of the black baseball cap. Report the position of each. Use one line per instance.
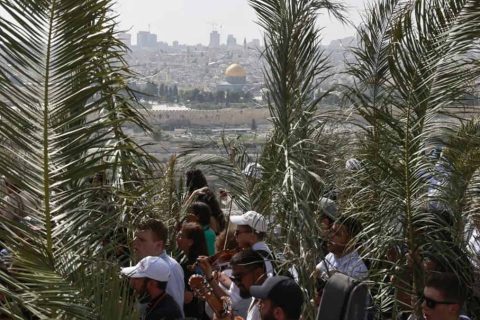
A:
(283, 292)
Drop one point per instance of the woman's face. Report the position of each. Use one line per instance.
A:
(183, 243)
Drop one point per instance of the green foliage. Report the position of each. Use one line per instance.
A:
(415, 63)
(410, 75)
(64, 100)
(292, 158)
(214, 99)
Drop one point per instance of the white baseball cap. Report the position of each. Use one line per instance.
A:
(149, 267)
(251, 218)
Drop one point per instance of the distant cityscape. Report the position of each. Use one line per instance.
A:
(196, 93)
(203, 67)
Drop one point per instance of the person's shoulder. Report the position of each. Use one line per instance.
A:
(172, 260)
(173, 307)
(359, 268)
(330, 257)
(327, 259)
(168, 309)
(353, 258)
(173, 264)
(176, 266)
(261, 246)
(209, 232)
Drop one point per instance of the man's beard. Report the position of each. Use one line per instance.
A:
(244, 294)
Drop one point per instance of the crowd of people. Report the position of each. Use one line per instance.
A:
(243, 279)
(226, 270)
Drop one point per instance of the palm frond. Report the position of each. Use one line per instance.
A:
(65, 98)
(410, 77)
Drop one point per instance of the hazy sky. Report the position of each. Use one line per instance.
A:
(191, 21)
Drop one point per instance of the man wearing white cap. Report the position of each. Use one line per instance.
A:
(150, 239)
(150, 277)
(250, 233)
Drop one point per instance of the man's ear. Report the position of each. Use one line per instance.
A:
(160, 244)
(278, 313)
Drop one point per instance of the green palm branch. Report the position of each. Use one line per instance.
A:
(64, 101)
(293, 158)
(410, 77)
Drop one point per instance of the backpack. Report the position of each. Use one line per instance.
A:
(343, 298)
(279, 268)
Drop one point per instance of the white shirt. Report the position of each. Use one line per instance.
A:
(254, 311)
(176, 282)
(239, 305)
(350, 264)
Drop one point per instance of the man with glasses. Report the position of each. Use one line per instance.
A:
(443, 297)
(248, 269)
(250, 233)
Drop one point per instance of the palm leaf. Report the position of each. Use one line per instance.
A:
(419, 74)
(64, 95)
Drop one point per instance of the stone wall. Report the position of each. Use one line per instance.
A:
(220, 117)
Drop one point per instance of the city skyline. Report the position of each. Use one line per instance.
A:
(191, 21)
(150, 39)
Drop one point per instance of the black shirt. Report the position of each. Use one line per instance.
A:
(163, 308)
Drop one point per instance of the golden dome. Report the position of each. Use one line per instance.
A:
(235, 70)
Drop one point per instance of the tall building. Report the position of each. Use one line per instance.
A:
(145, 39)
(126, 38)
(214, 39)
(231, 41)
(255, 43)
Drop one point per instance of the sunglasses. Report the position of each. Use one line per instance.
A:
(431, 303)
(236, 278)
(237, 232)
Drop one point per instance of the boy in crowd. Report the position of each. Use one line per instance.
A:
(343, 256)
